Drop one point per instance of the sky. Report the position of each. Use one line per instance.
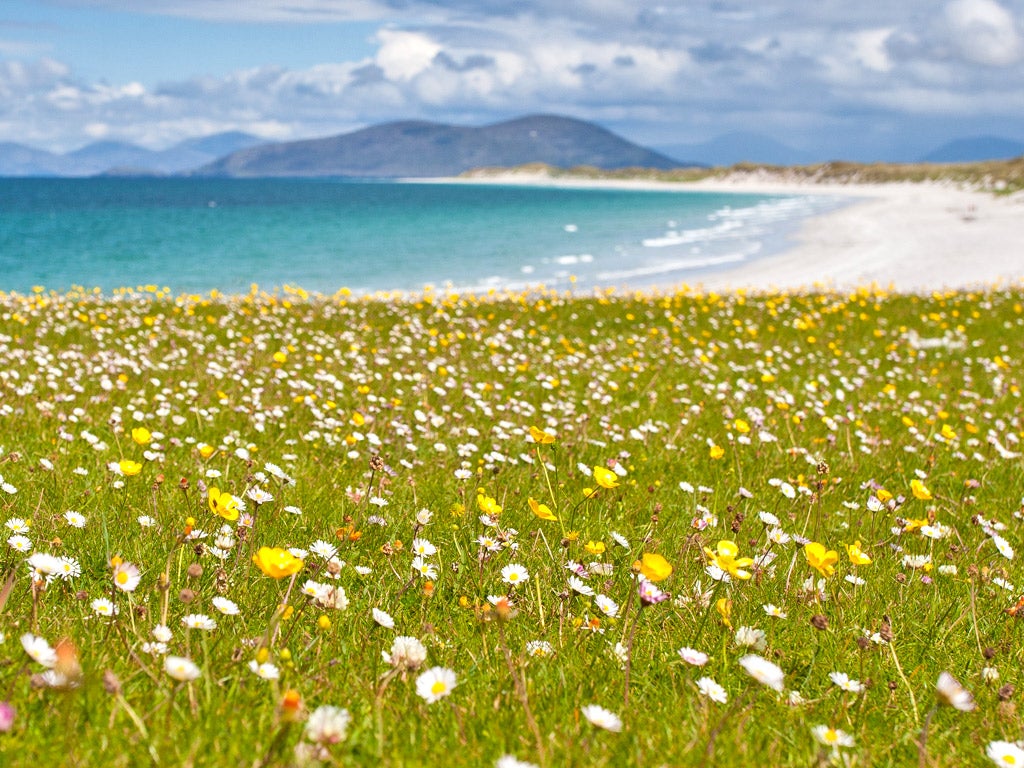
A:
(864, 80)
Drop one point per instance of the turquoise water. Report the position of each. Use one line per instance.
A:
(198, 234)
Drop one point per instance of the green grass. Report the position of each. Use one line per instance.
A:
(813, 403)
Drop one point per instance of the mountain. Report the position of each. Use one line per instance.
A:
(424, 149)
(975, 148)
(732, 148)
(19, 160)
(112, 158)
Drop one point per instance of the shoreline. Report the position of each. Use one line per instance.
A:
(908, 237)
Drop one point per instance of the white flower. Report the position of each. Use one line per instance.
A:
(952, 693)
(423, 568)
(539, 648)
(692, 656)
(38, 649)
(20, 543)
(383, 618)
(328, 725)
(578, 585)
(162, 633)
(423, 547)
(323, 549)
(990, 675)
(607, 606)
(774, 610)
(436, 683)
(749, 637)
(843, 680)
(602, 718)
(101, 606)
(764, 671)
(225, 606)
(619, 539)
(514, 574)
(510, 761)
(266, 670)
(181, 669)
(832, 737)
(406, 653)
(1004, 753)
(199, 621)
(708, 687)
(74, 519)
(1003, 546)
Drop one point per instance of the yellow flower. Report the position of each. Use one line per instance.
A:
(141, 435)
(594, 547)
(653, 567)
(206, 451)
(129, 467)
(541, 437)
(741, 426)
(724, 607)
(277, 563)
(883, 495)
(857, 556)
(822, 560)
(605, 478)
(223, 504)
(541, 510)
(948, 432)
(488, 505)
(716, 452)
(919, 490)
(724, 556)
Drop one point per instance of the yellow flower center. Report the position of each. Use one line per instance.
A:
(438, 687)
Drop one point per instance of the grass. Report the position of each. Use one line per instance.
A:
(768, 420)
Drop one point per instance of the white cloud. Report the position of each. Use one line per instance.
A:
(403, 55)
(984, 32)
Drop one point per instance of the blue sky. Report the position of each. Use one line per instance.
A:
(875, 79)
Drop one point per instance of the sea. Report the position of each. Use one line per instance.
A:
(194, 235)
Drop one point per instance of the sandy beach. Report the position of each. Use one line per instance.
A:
(903, 236)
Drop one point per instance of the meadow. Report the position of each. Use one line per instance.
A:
(536, 529)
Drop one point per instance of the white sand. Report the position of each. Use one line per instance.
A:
(905, 236)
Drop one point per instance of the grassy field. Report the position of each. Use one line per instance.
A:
(612, 530)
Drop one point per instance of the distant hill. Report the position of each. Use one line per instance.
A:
(424, 149)
(969, 150)
(118, 158)
(732, 148)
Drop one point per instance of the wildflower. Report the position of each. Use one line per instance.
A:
(843, 681)
(424, 568)
(328, 725)
(990, 675)
(223, 504)
(7, 718)
(162, 633)
(774, 610)
(749, 637)
(541, 437)
(832, 737)
(265, 671)
(578, 585)
(857, 556)
(541, 510)
(436, 683)
(514, 574)
(406, 653)
(20, 543)
(605, 478)
(74, 519)
(820, 559)
(765, 672)
(692, 656)
(382, 618)
(259, 496)
(619, 539)
(225, 606)
(276, 562)
(949, 691)
(101, 606)
(488, 505)
(510, 761)
(595, 547)
(323, 549)
(650, 594)
(653, 567)
(38, 649)
(539, 648)
(712, 690)
(199, 621)
(606, 605)
(141, 435)
(423, 547)
(181, 669)
(331, 597)
(126, 577)
(602, 718)
(1004, 753)
(919, 490)
(724, 558)
(716, 451)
